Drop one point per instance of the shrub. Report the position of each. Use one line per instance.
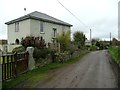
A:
(88, 47)
(118, 58)
(79, 38)
(53, 55)
(64, 40)
(41, 53)
(115, 53)
(93, 48)
(18, 49)
(38, 42)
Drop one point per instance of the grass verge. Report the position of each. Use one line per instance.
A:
(30, 78)
(115, 53)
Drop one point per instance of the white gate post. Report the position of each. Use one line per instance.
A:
(31, 61)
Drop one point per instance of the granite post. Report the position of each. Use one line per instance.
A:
(31, 61)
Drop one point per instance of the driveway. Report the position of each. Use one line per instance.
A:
(92, 71)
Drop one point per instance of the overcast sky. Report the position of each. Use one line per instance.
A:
(99, 15)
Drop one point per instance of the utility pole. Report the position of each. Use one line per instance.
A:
(90, 36)
(110, 38)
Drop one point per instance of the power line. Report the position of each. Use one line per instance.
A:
(72, 13)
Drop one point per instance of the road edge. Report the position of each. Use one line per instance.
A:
(115, 68)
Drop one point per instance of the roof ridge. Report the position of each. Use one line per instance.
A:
(39, 16)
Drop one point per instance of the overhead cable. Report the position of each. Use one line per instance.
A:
(72, 13)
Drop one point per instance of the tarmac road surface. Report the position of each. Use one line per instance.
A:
(92, 71)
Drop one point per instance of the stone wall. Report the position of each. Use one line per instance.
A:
(60, 58)
(41, 62)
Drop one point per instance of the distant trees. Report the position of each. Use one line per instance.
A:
(79, 38)
(114, 42)
(100, 44)
(94, 41)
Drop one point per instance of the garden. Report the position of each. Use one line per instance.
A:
(61, 52)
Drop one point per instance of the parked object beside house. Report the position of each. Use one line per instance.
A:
(3, 46)
(3, 42)
(35, 24)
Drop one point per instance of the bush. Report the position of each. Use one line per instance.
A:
(38, 42)
(93, 48)
(18, 49)
(41, 53)
(64, 40)
(118, 57)
(115, 53)
(53, 55)
(88, 47)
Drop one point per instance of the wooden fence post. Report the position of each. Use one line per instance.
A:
(3, 69)
(15, 66)
(27, 58)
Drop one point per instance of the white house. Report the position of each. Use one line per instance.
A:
(35, 24)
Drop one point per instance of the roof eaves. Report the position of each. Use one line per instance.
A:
(46, 20)
(18, 19)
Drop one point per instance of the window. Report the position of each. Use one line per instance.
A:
(16, 26)
(41, 26)
(54, 32)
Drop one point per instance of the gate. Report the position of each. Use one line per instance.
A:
(13, 65)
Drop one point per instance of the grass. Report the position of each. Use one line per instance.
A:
(115, 53)
(32, 77)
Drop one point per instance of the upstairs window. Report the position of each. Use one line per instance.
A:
(16, 26)
(41, 26)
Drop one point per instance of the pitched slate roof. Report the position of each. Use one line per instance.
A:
(39, 16)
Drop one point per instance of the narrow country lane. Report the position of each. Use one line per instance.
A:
(92, 71)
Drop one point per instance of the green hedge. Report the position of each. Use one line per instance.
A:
(93, 48)
(115, 53)
(41, 53)
(18, 49)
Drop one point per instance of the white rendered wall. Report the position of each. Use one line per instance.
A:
(48, 33)
(24, 30)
